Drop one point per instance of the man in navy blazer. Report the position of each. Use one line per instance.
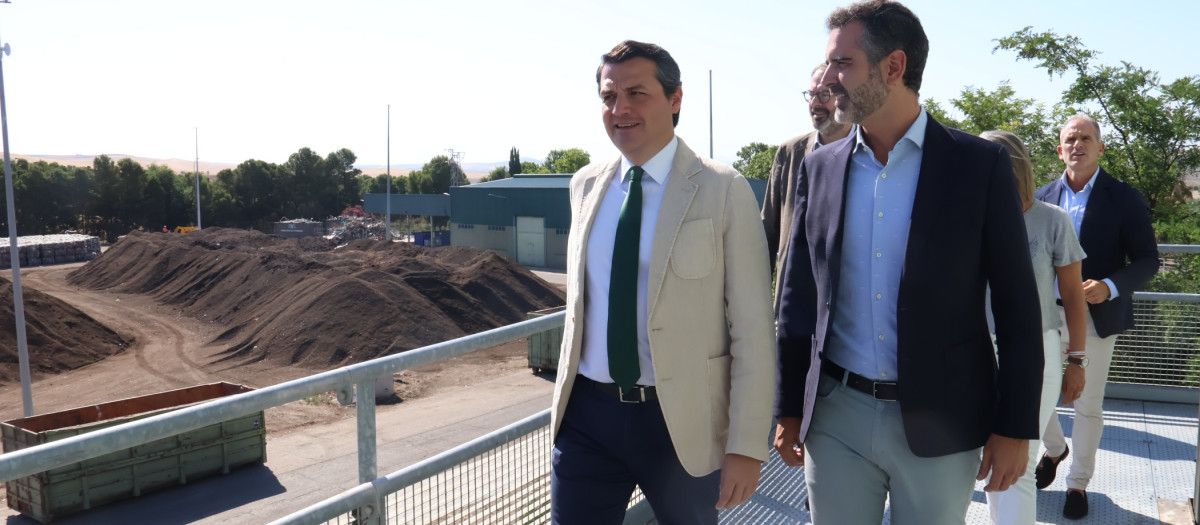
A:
(888, 381)
(1114, 228)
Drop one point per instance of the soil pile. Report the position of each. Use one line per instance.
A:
(311, 303)
(58, 336)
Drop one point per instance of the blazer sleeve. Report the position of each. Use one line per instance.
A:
(797, 311)
(1138, 242)
(749, 312)
(1015, 307)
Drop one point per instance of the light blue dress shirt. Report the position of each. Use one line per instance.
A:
(1076, 206)
(879, 200)
(593, 361)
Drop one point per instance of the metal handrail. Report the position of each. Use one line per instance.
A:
(32, 460)
(366, 495)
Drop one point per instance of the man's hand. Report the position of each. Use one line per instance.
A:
(1095, 292)
(1072, 385)
(1005, 458)
(739, 480)
(787, 441)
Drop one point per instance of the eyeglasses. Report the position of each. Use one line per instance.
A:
(823, 96)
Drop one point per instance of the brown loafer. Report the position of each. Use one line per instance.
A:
(1047, 468)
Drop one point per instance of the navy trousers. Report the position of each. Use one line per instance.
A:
(605, 447)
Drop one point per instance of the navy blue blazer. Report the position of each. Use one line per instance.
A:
(1116, 228)
(966, 231)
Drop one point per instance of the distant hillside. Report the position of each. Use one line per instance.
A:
(179, 165)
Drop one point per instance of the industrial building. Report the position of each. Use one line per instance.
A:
(525, 218)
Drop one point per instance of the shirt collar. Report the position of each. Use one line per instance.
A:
(915, 133)
(1091, 183)
(658, 167)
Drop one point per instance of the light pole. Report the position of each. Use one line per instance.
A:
(197, 178)
(387, 221)
(14, 252)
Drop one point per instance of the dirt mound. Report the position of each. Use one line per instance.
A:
(310, 303)
(58, 336)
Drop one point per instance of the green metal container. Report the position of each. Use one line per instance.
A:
(134, 471)
(544, 346)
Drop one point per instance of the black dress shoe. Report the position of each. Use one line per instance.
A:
(1076, 506)
(1047, 468)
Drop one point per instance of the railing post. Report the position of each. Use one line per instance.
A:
(367, 464)
(365, 401)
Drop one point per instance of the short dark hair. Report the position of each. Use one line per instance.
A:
(666, 70)
(887, 26)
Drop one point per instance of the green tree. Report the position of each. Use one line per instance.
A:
(514, 161)
(343, 173)
(497, 173)
(533, 168)
(567, 160)
(1154, 127)
(439, 171)
(1031, 121)
(755, 159)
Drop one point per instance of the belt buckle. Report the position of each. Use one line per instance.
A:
(635, 395)
(875, 390)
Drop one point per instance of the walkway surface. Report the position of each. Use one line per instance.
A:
(1145, 474)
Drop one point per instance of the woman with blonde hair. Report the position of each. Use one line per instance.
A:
(1055, 252)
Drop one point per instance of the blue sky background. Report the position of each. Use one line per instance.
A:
(261, 79)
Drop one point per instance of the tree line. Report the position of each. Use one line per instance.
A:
(112, 198)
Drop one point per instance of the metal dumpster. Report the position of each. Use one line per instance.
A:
(131, 472)
(544, 346)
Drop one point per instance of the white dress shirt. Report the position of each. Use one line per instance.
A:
(593, 361)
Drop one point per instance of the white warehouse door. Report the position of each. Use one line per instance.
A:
(531, 241)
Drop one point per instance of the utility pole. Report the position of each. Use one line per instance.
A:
(14, 252)
(387, 221)
(197, 178)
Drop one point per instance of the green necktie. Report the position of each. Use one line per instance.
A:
(622, 288)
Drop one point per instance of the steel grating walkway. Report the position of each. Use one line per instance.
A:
(1147, 454)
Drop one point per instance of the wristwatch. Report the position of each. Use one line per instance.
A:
(1081, 361)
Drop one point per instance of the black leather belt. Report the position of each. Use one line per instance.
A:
(637, 394)
(881, 390)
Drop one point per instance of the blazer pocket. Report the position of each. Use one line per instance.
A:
(718, 392)
(694, 254)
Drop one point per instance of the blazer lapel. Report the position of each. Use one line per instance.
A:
(831, 192)
(677, 198)
(936, 155)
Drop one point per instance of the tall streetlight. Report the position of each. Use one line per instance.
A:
(387, 221)
(197, 178)
(14, 252)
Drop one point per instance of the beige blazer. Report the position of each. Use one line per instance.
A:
(709, 309)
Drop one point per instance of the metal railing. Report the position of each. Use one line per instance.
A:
(29, 461)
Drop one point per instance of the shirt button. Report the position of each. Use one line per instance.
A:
(881, 214)
(883, 176)
(879, 296)
(883, 374)
(878, 254)
(880, 337)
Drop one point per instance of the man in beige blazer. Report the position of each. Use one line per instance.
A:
(777, 205)
(691, 432)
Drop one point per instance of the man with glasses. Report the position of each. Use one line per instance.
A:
(777, 206)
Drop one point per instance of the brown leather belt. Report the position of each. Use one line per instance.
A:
(637, 394)
(881, 390)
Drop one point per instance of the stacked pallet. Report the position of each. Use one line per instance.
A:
(38, 250)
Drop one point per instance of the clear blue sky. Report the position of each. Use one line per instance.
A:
(261, 79)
